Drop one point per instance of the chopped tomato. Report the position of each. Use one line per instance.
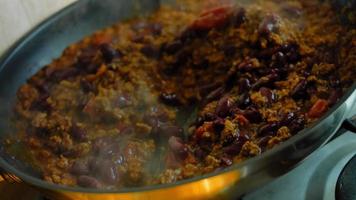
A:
(213, 18)
(318, 109)
(101, 38)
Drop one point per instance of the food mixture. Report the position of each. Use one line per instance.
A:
(186, 91)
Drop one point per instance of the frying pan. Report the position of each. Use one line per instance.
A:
(48, 40)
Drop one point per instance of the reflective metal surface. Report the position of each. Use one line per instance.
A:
(47, 42)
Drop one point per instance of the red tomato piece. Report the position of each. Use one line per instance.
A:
(318, 109)
(213, 18)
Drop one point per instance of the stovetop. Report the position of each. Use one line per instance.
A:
(314, 179)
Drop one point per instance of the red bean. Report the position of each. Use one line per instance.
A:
(269, 24)
(78, 134)
(109, 52)
(224, 106)
(178, 147)
(266, 92)
(88, 182)
(170, 99)
(80, 167)
(268, 129)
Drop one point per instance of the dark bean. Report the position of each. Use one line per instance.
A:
(139, 26)
(237, 144)
(102, 143)
(86, 57)
(244, 101)
(88, 182)
(156, 28)
(170, 99)
(210, 117)
(267, 53)
(230, 79)
(279, 59)
(226, 161)
(105, 170)
(87, 86)
(266, 81)
(169, 130)
(123, 100)
(218, 125)
(229, 49)
(200, 154)
(269, 24)
(214, 95)
(80, 167)
(334, 96)
(268, 129)
(244, 85)
(292, 10)
(150, 51)
(269, 94)
(246, 66)
(78, 134)
(109, 53)
(64, 73)
(287, 119)
(224, 106)
(206, 89)
(334, 82)
(297, 124)
(92, 68)
(300, 90)
(178, 147)
(173, 47)
(41, 103)
(239, 17)
(252, 115)
(263, 142)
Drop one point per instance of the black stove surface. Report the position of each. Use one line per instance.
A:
(346, 184)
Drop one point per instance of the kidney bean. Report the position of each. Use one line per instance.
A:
(318, 109)
(279, 59)
(150, 51)
(105, 170)
(64, 73)
(300, 90)
(287, 119)
(236, 146)
(171, 161)
(178, 147)
(41, 103)
(244, 101)
(86, 57)
(271, 97)
(213, 18)
(268, 129)
(244, 85)
(88, 182)
(266, 81)
(78, 134)
(215, 94)
(269, 24)
(224, 106)
(169, 130)
(87, 86)
(80, 167)
(229, 49)
(156, 28)
(297, 124)
(109, 52)
(334, 96)
(173, 47)
(263, 142)
(170, 99)
(226, 161)
(252, 114)
(218, 125)
(239, 17)
(200, 154)
(123, 101)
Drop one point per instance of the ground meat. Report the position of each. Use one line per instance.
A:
(113, 111)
